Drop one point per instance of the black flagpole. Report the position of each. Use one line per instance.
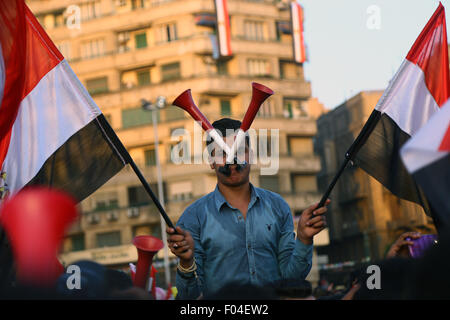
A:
(352, 151)
(115, 141)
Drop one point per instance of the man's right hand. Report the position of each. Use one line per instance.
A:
(182, 245)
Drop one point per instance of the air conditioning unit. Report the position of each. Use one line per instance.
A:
(133, 212)
(112, 215)
(94, 218)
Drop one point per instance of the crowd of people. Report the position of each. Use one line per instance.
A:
(238, 242)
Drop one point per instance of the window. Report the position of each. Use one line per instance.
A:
(166, 33)
(97, 85)
(254, 30)
(173, 113)
(141, 40)
(77, 242)
(136, 4)
(300, 145)
(180, 191)
(93, 48)
(123, 39)
(289, 70)
(222, 67)
(225, 107)
(143, 77)
(108, 239)
(150, 157)
(294, 108)
(137, 196)
(136, 117)
(270, 183)
(107, 204)
(170, 71)
(90, 10)
(258, 67)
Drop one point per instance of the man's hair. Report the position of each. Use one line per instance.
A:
(224, 124)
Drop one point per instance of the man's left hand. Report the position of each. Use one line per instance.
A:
(311, 222)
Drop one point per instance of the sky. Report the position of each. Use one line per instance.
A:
(356, 45)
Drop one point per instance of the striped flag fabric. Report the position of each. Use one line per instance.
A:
(427, 157)
(298, 41)
(223, 28)
(51, 131)
(418, 90)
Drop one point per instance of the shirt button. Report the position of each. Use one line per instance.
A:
(253, 272)
(249, 246)
(240, 217)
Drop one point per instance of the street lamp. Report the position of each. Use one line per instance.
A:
(154, 108)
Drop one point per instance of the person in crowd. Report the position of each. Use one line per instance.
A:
(240, 233)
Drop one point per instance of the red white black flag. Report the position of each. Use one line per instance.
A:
(298, 41)
(223, 28)
(51, 131)
(418, 90)
(427, 157)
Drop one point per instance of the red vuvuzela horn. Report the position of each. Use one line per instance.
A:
(35, 220)
(185, 102)
(259, 94)
(147, 247)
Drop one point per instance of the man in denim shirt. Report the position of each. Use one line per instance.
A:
(240, 234)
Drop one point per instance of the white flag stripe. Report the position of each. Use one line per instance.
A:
(408, 101)
(55, 109)
(296, 31)
(423, 148)
(222, 28)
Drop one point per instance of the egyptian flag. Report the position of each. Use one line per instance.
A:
(298, 42)
(223, 28)
(427, 157)
(51, 131)
(417, 91)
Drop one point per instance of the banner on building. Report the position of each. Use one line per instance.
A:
(223, 28)
(298, 41)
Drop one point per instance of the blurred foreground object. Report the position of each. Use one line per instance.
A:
(35, 220)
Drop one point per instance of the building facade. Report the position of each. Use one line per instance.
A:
(364, 217)
(127, 50)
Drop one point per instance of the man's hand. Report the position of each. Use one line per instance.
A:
(311, 222)
(399, 248)
(182, 245)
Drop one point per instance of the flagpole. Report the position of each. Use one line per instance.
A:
(115, 141)
(352, 151)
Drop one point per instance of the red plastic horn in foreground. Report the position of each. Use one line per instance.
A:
(147, 247)
(35, 220)
(259, 94)
(185, 102)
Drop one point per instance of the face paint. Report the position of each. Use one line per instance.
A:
(226, 170)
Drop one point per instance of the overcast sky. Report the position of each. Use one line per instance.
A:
(345, 56)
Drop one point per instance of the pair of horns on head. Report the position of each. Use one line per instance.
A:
(259, 94)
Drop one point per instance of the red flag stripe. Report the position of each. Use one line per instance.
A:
(445, 144)
(13, 40)
(430, 50)
(27, 42)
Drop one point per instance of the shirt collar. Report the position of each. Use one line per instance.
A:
(220, 199)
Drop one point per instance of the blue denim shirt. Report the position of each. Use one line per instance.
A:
(228, 248)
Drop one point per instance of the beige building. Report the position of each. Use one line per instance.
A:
(365, 218)
(127, 50)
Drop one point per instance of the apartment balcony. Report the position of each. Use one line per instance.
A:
(206, 84)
